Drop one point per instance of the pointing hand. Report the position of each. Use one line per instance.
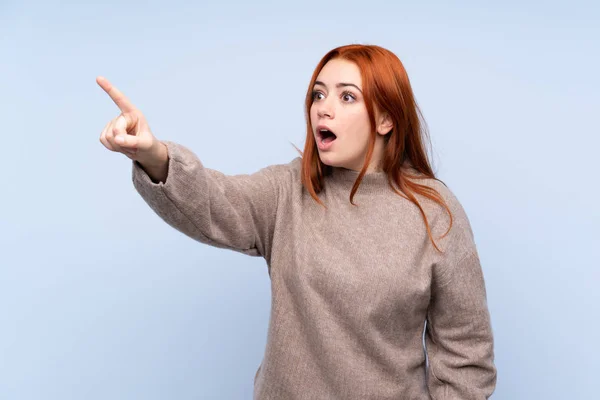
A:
(129, 132)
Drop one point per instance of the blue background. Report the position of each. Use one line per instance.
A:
(100, 299)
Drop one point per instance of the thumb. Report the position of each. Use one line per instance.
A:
(126, 122)
(127, 141)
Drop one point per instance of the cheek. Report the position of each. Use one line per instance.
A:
(358, 123)
(313, 115)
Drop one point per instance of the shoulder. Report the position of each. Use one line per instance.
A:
(460, 239)
(285, 171)
(284, 175)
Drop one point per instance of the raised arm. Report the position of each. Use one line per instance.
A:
(235, 212)
(229, 211)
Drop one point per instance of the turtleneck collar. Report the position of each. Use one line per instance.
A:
(372, 181)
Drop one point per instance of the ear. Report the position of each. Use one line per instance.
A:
(385, 124)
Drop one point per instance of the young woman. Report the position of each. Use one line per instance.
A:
(366, 249)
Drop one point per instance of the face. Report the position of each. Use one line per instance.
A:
(338, 106)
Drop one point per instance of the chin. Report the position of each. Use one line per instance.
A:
(328, 159)
(331, 160)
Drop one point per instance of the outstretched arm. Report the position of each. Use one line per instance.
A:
(234, 212)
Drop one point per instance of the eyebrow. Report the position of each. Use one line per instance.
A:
(341, 84)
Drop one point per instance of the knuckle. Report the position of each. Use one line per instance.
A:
(106, 144)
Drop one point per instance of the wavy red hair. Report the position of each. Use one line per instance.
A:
(385, 86)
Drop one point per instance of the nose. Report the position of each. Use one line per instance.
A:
(324, 108)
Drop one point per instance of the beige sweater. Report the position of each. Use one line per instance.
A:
(351, 286)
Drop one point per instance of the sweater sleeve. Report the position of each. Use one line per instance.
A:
(235, 212)
(459, 338)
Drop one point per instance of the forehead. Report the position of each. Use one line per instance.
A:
(339, 70)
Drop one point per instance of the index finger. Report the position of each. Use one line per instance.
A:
(119, 98)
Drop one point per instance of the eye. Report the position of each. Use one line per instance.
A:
(315, 93)
(347, 94)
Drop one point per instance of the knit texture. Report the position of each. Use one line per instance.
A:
(353, 288)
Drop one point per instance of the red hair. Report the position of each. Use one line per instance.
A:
(385, 86)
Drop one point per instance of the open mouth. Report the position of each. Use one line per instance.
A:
(326, 136)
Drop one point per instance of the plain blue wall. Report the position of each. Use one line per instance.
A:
(100, 299)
